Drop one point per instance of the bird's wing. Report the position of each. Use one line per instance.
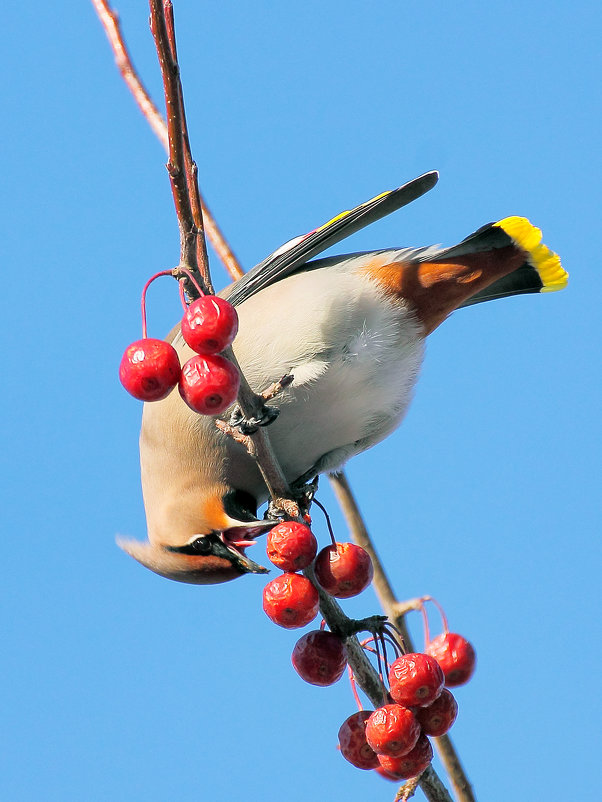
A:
(299, 250)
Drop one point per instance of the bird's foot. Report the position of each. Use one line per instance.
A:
(249, 426)
(264, 414)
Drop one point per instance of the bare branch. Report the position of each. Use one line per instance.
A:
(190, 166)
(193, 253)
(396, 612)
(407, 790)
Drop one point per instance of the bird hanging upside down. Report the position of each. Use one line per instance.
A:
(351, 330)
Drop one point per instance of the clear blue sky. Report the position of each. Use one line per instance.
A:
(120, 685)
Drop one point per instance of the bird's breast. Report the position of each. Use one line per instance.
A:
(354, 352)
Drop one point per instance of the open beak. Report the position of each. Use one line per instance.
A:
(238, 538)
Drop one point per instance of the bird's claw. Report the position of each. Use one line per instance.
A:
(250, 425)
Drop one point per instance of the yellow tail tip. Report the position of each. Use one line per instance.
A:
(547, 263)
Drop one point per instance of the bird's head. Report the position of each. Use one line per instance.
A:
(205, 545)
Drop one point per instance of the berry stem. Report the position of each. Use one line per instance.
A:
(328, 523)
(367, 648)
(143, 298)
(356, 695)
(379, 657)
(384, 638)
(425, 621)
(441, 613)
(189, 275)
(395, 638)
(182, 295)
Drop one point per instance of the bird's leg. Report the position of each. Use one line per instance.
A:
(304, 493)
(264, 414)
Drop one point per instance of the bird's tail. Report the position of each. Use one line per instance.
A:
(541, 270)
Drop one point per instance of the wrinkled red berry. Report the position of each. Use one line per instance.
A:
(291, 546)
(149, 369)
(412, 764)
(415, 679)
(455, 655)
(290, 600)
(209, 384)
(392, 730)
(437, 718)
(353, 744)
(344, 569)
(209, 324)
(319, 658)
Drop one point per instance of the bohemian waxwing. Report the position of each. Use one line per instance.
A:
(351, 330)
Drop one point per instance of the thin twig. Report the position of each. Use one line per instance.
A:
(277, 387)
(110, 22)
(396, 612)
(190, 167)
(407, 790)
(193, 253)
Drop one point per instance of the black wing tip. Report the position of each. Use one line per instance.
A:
(424, 182)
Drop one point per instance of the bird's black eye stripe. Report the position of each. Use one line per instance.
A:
(201, 546)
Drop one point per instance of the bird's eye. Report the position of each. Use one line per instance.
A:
(202, 545)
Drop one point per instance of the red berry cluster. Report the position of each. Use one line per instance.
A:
(208, 382)
(342, 569)
(394, 738)
(291, 600)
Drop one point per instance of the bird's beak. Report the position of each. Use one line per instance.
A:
(239, 537)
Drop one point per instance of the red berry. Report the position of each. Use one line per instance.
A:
(290, 600)
(437, 718)
(209, 384)
(291, 546)
(385, 774)
(149, 369)
(415, 680)
(209, 324)
(344, 569)
(319, 658)
(392, 730)
(353, 744)
(455, 655)
(412, 764)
